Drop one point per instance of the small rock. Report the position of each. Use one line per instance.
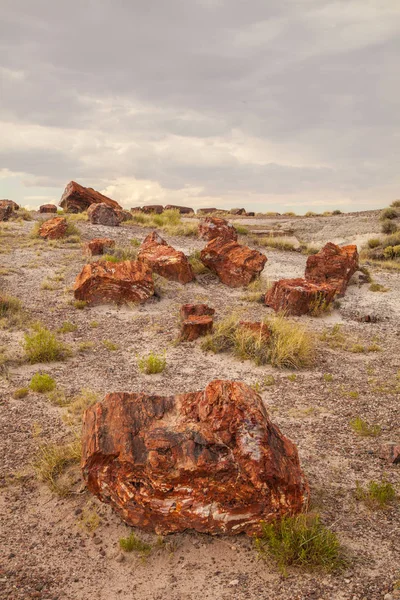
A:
(234, 582)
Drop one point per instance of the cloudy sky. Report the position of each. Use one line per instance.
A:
(272, 105)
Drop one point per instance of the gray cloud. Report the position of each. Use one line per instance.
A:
(225, 96)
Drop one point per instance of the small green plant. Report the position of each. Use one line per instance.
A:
(366, 272)
(135, 242)
(300, 541)
(388, 213)
(377, 287)
(134, 544)
(67, 327)
(94, 324)
(152, 363)
(89, 519)
(292, 377)
(374, 243)
(43, 346)
(42, 383)
(363, 428)
(196, 264)
(80, 304)
(242, 229)
(51, 462)
(389, 226)
(328, 377)
(378, 494)
(110, 345)
(269, 380)
(86, 346)
(21, 393)
(357, 348)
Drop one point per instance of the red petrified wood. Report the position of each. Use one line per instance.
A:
(77, 198)
(257, 328)
(299, 296)
(48, 208)
(104, 282)
(13, 205)
(165, 260)
(333, 265)
(196, 326)
(189, 310)
(234, 264)
(214, 227)
(53, 229)
(98, 245)
(101, 214)
(211, 461)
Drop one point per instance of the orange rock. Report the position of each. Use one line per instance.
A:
(214, 227)
(333, 265)
(77, 198)
(98, 245)
(299, 296)
(48, 208)
(234, 264)
(211, 461)
(53, 229)
(165, 260)
(105, 282)
(196, 326)
(188, 310)
(101, 214)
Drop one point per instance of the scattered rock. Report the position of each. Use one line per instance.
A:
(98, 246)
(188, 310)
(390, 452)
(48, 208)
(165, 260)
(298, 296)
(77, 198)
(102, 214)
(5, 212)
(11, 203)
(183, 210)
(195, 326)
(368, 319)
(210, 460)
(105, 282)
(234, 264)
(333, 265)
(124, 215)
(53, 229)
(214, 227)
(153, 209)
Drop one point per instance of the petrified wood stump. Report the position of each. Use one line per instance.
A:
(196, 326)
(210, 460)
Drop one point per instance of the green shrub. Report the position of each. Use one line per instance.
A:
(388, 226)
(396, 204)
(21, 393)
(374, 243)
(300, 541)
(363, 428)
(43, 346)
(152, 363)
(134, 544)
(377, 495)
(388, 213)
(110, 345)
(52, 460)
(242, 229)
(42, 383)
(377, 287)
(67, 327)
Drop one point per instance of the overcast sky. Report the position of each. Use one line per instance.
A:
(267, 104)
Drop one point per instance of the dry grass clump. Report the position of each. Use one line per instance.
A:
(242, 229)
(363, 428)
(388, 213)
(275, 242)
(51, 462)
(21, 393)
(76, 407)
(198, 267)
(290, 344)
(338, 339)
(67, 327)
(378, 494)
(169, 221)
(134, 544)
(389, 226)
(118, 254)
(301, 541)
(255, 291)
(152, 363)
(43, 346)
(12, 314)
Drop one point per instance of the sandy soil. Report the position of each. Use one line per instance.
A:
(47, 551)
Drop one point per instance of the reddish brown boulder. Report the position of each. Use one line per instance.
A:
(234, 264)
(77, 198)
(198, 310)
(11, 203)
(98, 246)
(136, 209)
(211, 461)
(299, 296)
(183, 210)
(48, 208)
(390, 452)
(5, 212)
(196, 326)
(153, 209)
(214, 227)
(104, 282)
(165, 260)
(53, 229)
(333, 265)
(124, 215)
(101, 214)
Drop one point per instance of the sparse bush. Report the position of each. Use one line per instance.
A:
(310, 213)
(86, 346)
(292, 345)
(337, 212)
(78, 405)
(275, 242)
(110, 345)
(374, 243)
(11, 312)
(80, 304)
(51, 462)
(43, 346)
(363, 428)
(118, 254)
(67, 327)
(134, 544)
(152, 363)
(328, 377)
(169, 221)
(42, 383)
(366, 272)
(242, 229)
(21, 393)
(377, 495)
(255, 291)
(135, 242)
(300, 541)
(388, 226)
(395, 204)
(388, 213)
(377, 287)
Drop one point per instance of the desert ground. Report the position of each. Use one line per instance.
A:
(67, 547)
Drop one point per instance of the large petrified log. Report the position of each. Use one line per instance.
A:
(53, 229)
(165, 260)
(333, 265)
(299, 296)
(210, 460)
(195, 326)
(101, 214)
(104, 282)
(98, 246)
(214, 227)
(77, 198)
(234, 264)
